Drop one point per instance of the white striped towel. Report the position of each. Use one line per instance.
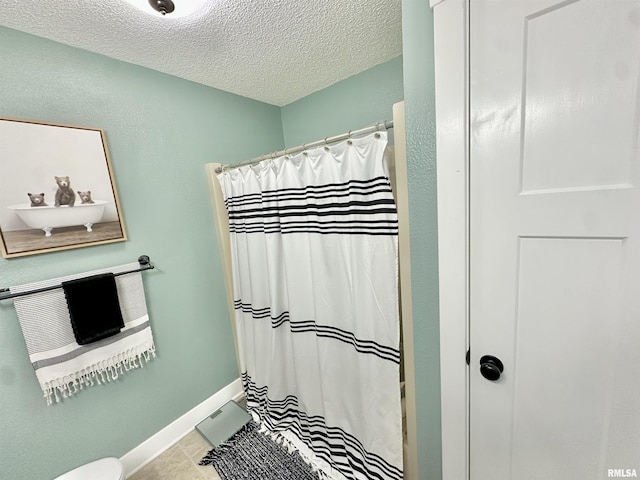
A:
(62, 366)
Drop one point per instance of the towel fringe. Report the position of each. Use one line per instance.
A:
(102, 372)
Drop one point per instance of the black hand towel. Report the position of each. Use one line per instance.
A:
(93, 307)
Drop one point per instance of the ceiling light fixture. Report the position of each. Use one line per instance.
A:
(162, 6)
(168, 8)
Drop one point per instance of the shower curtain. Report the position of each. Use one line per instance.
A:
(314, 256)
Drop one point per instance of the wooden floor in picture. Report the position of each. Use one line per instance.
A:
(18, 241)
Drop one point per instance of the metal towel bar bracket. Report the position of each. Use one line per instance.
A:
(5, 293)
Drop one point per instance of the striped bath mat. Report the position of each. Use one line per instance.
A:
(252, 455)
(62, 366)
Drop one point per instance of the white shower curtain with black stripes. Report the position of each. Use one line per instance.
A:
(314, 254)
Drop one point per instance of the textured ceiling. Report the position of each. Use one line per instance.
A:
(275, 51)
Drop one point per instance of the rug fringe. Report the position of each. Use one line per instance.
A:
(310, 459)
(252, 455)
(101, 372)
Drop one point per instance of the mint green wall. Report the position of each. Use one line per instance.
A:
(356, 102)
(419, 92)
(160, 132)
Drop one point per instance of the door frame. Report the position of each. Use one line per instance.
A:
(451, 56)
(451, 20)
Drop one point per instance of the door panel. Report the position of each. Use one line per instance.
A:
(564, 324)
(555, 238)
(567, 136)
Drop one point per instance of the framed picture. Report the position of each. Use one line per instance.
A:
(56, 189)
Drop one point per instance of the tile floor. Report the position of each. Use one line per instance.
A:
(180, 462)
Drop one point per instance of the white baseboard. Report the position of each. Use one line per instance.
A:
(144, 453)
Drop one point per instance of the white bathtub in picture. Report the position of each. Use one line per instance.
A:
(50, 217)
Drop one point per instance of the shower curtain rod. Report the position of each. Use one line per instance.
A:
(386, 125)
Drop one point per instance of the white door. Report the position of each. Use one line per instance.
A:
(555, 239)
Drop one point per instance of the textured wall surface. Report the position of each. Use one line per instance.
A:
(419, 91)
(274, 51)
(357, 102)
(160, 131)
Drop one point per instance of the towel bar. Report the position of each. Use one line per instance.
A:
(143, 260)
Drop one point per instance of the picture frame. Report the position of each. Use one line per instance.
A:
(57, 189)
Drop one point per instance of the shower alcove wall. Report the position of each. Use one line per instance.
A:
(397, 163)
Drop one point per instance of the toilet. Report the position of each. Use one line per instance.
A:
(103, 469)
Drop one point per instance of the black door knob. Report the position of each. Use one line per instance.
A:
(491, 367)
